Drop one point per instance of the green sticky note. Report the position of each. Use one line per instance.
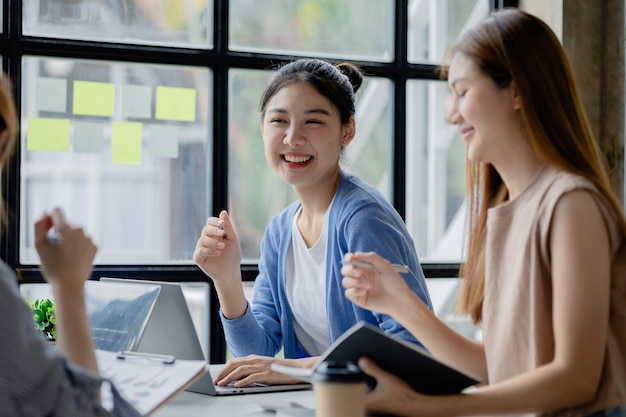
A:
(136, 101)
(87, 137)
(163, 141)
(51, 94)
(45, 134)
(126, 143)
(174, 103)
(93, 99)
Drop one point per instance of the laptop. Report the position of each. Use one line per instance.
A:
(170, 331)
(119, 313)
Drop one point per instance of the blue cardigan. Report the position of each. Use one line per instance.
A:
(360, 220)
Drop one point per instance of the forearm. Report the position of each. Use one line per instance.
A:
(74, 337)
(231, 297)
(544, 389)
(299, 363)
(442, 341)
(247, 336)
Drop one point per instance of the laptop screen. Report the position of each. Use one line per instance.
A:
(119, 313)
(170, 329)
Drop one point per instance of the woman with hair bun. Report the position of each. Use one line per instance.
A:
(307, 120)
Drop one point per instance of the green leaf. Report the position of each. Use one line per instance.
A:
(44, 317)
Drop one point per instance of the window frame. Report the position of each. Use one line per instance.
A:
(14, 45)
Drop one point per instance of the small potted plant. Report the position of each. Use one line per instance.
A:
(43, 315)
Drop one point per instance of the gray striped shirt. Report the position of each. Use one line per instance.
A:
(34, 380)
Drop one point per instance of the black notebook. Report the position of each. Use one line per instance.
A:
(409, 362)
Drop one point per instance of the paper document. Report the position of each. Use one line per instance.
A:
(148, 382)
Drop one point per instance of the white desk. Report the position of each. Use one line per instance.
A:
(189, 404)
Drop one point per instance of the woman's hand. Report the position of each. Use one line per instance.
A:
(218, 252)
(257, 369)
(391, 395)
(380, 288)
(68, 262)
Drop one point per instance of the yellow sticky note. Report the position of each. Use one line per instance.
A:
(126, 143)
(93, 99)
(48, 134)
(174, 103)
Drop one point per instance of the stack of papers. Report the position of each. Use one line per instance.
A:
(147, 382)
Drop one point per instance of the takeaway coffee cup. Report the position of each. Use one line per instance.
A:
(340, 389)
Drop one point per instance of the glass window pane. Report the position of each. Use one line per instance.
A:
(255, 191)
(435, 24)
(318, 27)
(186, 23)
(123, 149)
(435, 178)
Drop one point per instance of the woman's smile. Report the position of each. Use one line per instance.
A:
(296, 160)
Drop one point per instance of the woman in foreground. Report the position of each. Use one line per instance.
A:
(546, 269)
(35, 380)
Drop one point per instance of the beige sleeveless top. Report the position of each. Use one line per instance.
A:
(517, 311)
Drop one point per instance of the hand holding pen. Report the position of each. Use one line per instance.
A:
(217, 251)
(53, 237)
(218, 255)
(373, 282)
(65, 251)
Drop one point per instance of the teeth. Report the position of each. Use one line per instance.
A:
(297, 159)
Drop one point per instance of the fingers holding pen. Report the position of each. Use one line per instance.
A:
(221, 227)
(49, 229)
(217, 252)
(227, 227)
(211, 241)
(356, 281)
(219, 231)
(216, 234)
(372, 282)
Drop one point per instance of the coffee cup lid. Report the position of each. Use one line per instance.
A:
(338, 371)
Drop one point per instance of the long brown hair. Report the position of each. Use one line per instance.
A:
(8, 130)
(514, 46)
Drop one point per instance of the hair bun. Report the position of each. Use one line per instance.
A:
(354, 74)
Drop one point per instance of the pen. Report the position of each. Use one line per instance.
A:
(399, 268)
(165, 358)
(54, 237)
(221, 226)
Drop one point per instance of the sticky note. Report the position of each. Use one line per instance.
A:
(88, 137)
(136, 101)
(47, 134)
(174, 103)
(51, 94)
(126, 142)
(93, 98)
(163, 141)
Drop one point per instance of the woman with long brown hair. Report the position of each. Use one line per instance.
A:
(545, 275)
